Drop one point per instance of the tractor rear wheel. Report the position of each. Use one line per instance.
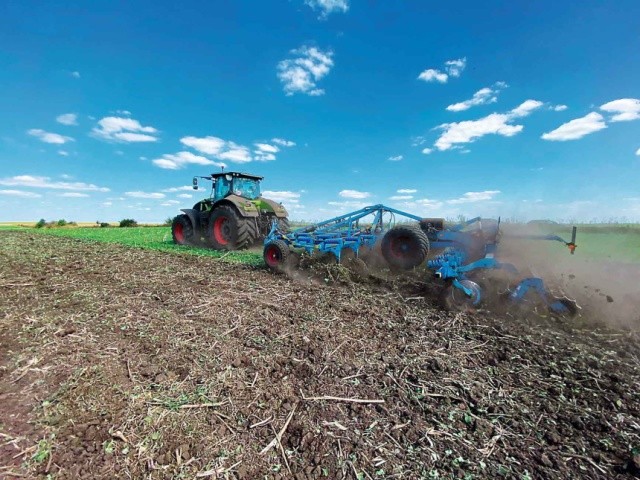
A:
(405, 247)
(276, 255)
(182, 231)
(227, 230)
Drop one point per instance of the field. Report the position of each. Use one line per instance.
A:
(121, 362)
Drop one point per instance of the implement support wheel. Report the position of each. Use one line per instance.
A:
(405, 247)
(276, 255)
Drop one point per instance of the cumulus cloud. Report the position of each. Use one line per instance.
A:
(48, 137)
(327, 7)
(354, 194)
(169, 203)
(175, 161)
(178, 189)
(625, 109)
(121, 129)
(75, 74)
(283, 196)
(406, 190)
(427, 150)
(63, 153)
(20, 193)
(452, 68)
(265, 152)
(219, 148)
(559, 108)
(347, 204)
(401, 197)
(283, 143)
(483, 96)
(46, 182)
(396, 158)
(472, 197)
(301, 73)
(638, 152)
(185, 195)
(67, 119)
(138, 194)
(576, 128)
(494, 124)
(74, 195)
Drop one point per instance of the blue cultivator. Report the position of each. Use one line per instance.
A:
(453, 254)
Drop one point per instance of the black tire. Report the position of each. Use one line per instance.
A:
(227, 230)
(276, 255)
(283, 225)
(405, 247)
(182, 231)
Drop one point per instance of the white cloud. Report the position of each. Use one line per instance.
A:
(472, 197)
(396, 158)
(265, 152)
(638, 152)
(455, 67)
(283, 143)
(106, 204)
(138, 194)
(181, 159)
(483, 96)
(168, 203)
(576, 128)
(328, 7)
(219, 148)
(625, 109)
(20, 193)
(121, 129)
(401, 197)
(433, 75)
(185, 195)
(74, 195)
(75, 74)
(427, 150)
(178, 189)
(45, 182)
(559, 108)
(496, 124)
(282, 196)
(64, 153)
(348, 204)
(354, 194)
(48, 137)
(406, 190)
(300, 74)
(67, 119)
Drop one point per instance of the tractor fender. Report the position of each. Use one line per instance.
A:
(245, 208)
(276, 207)
(193, 217)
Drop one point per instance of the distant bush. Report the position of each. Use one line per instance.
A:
(61, 223)
(104, 224)
(168, 221)
(128, 222)
(41, 223)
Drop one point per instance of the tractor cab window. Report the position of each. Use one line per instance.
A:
(222, 187)
(246, 187)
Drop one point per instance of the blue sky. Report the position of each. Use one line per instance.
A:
(519, 109)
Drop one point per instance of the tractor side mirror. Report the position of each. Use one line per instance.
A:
(195, 183)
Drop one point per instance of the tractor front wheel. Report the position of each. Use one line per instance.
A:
(182, 231)
(276, 255)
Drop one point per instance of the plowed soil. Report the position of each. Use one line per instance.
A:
(124, 363)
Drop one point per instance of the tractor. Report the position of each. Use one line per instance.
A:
(234, 217)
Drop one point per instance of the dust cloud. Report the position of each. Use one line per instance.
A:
(607, 291)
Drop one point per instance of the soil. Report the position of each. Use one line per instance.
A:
(118, 362)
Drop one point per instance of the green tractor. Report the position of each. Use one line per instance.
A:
(234, 217)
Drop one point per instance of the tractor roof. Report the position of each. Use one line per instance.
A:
(236, 174)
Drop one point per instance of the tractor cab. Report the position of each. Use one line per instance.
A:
(232, 183)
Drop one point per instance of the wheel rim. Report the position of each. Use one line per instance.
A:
(222, 230)
(272, 256)
(402, 247)
(178, 233)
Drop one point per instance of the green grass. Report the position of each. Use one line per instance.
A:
(152, 238)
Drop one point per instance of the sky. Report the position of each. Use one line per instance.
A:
(523, 110)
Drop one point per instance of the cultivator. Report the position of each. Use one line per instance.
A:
(457, 255)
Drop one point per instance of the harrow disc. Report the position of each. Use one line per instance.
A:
(455, 299)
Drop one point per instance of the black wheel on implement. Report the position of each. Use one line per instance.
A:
(182, 231)
(276, 255)
(227, 230)
(405, 247)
